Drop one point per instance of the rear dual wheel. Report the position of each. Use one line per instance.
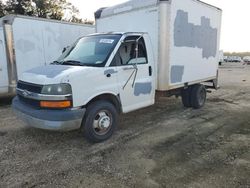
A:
(194, 96)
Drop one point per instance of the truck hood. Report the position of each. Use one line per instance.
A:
(50, 74)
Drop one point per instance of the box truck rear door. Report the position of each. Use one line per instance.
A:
(3, 64)
(134, 75)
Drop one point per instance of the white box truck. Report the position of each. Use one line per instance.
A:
(221, 57)
(28, 42)
(142, 47)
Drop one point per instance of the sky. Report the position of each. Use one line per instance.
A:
(235, 20)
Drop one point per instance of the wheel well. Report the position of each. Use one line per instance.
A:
(115, 100)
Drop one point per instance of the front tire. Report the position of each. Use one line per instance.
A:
(100, 121)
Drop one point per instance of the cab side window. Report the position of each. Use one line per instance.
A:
(126, 54)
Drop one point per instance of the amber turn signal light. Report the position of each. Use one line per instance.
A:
(55, 104)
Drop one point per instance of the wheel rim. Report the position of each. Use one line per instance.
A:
(202, 97)
(102, 122)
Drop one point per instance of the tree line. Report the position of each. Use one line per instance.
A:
(240, 54)
(51, 9)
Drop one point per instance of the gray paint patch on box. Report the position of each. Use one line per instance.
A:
(190, 35)
(142, 88)
(177, 72)
(25, 45)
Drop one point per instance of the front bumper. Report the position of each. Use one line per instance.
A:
(58, 120)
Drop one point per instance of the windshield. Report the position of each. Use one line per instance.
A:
(90, 51)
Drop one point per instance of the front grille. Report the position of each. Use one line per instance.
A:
(31, 102)
(29, 87)
(34, 88)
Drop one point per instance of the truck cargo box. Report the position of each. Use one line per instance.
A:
(185, 36)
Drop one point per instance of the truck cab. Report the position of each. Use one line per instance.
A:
(94, 80)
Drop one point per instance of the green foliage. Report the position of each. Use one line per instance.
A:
(52, 9)
(79, 20)
(18, 7)
(85, 21)
(2, 12)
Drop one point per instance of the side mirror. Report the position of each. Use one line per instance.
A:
(64, 49)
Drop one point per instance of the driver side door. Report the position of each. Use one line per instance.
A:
(134, 75)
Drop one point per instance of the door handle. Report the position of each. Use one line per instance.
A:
(128, 68)
(150, 71)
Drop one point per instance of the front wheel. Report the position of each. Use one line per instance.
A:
(100, 121)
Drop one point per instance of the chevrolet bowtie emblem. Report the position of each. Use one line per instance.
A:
(26, 93)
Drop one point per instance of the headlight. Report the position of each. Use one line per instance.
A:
(57, 89)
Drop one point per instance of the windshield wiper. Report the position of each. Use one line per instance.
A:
(55, 63)
(72, 62)
(76, 63)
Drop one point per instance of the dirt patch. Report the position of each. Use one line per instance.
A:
(2, 133)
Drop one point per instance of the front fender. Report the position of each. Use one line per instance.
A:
(88, 85)
(98, 95)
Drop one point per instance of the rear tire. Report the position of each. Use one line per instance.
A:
(198, 96)
(100, 121)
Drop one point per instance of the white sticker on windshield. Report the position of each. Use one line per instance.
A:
(107, 41)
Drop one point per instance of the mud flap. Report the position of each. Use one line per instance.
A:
(216, 81)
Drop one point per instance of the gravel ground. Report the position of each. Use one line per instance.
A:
(164, 145)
